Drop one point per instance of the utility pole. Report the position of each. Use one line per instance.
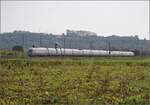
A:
(49, 43)
(56, 48)
(79, 44)
(106, 45)
(23, 41)
(40, 40)
(70, 42)
(64, 42)
(91, 45)
(109, 47)
(141, 48)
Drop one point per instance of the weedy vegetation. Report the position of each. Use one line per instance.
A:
(99, 81)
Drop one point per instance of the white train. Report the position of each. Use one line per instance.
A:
(75, 52)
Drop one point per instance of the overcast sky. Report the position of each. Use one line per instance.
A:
(103, 17)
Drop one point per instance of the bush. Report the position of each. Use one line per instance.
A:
(18, 48)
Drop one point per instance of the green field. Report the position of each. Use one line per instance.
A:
(99, 81)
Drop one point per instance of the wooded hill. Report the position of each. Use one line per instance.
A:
(72, 39)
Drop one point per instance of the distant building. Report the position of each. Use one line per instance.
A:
(80, 33)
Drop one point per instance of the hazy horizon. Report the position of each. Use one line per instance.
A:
(75, 30)
(106, 18)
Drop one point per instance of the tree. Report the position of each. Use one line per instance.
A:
(18, 48)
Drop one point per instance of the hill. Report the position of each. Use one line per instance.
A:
(72, 39)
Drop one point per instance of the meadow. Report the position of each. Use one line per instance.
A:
(87, 81)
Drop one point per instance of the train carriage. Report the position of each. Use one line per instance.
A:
(76, 52)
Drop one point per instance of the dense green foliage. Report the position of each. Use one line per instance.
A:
(18, 48)
(100, 81)
(11, 54)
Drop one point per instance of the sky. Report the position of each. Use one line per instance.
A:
(124, 18)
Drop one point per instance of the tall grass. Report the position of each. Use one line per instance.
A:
(101, 81)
